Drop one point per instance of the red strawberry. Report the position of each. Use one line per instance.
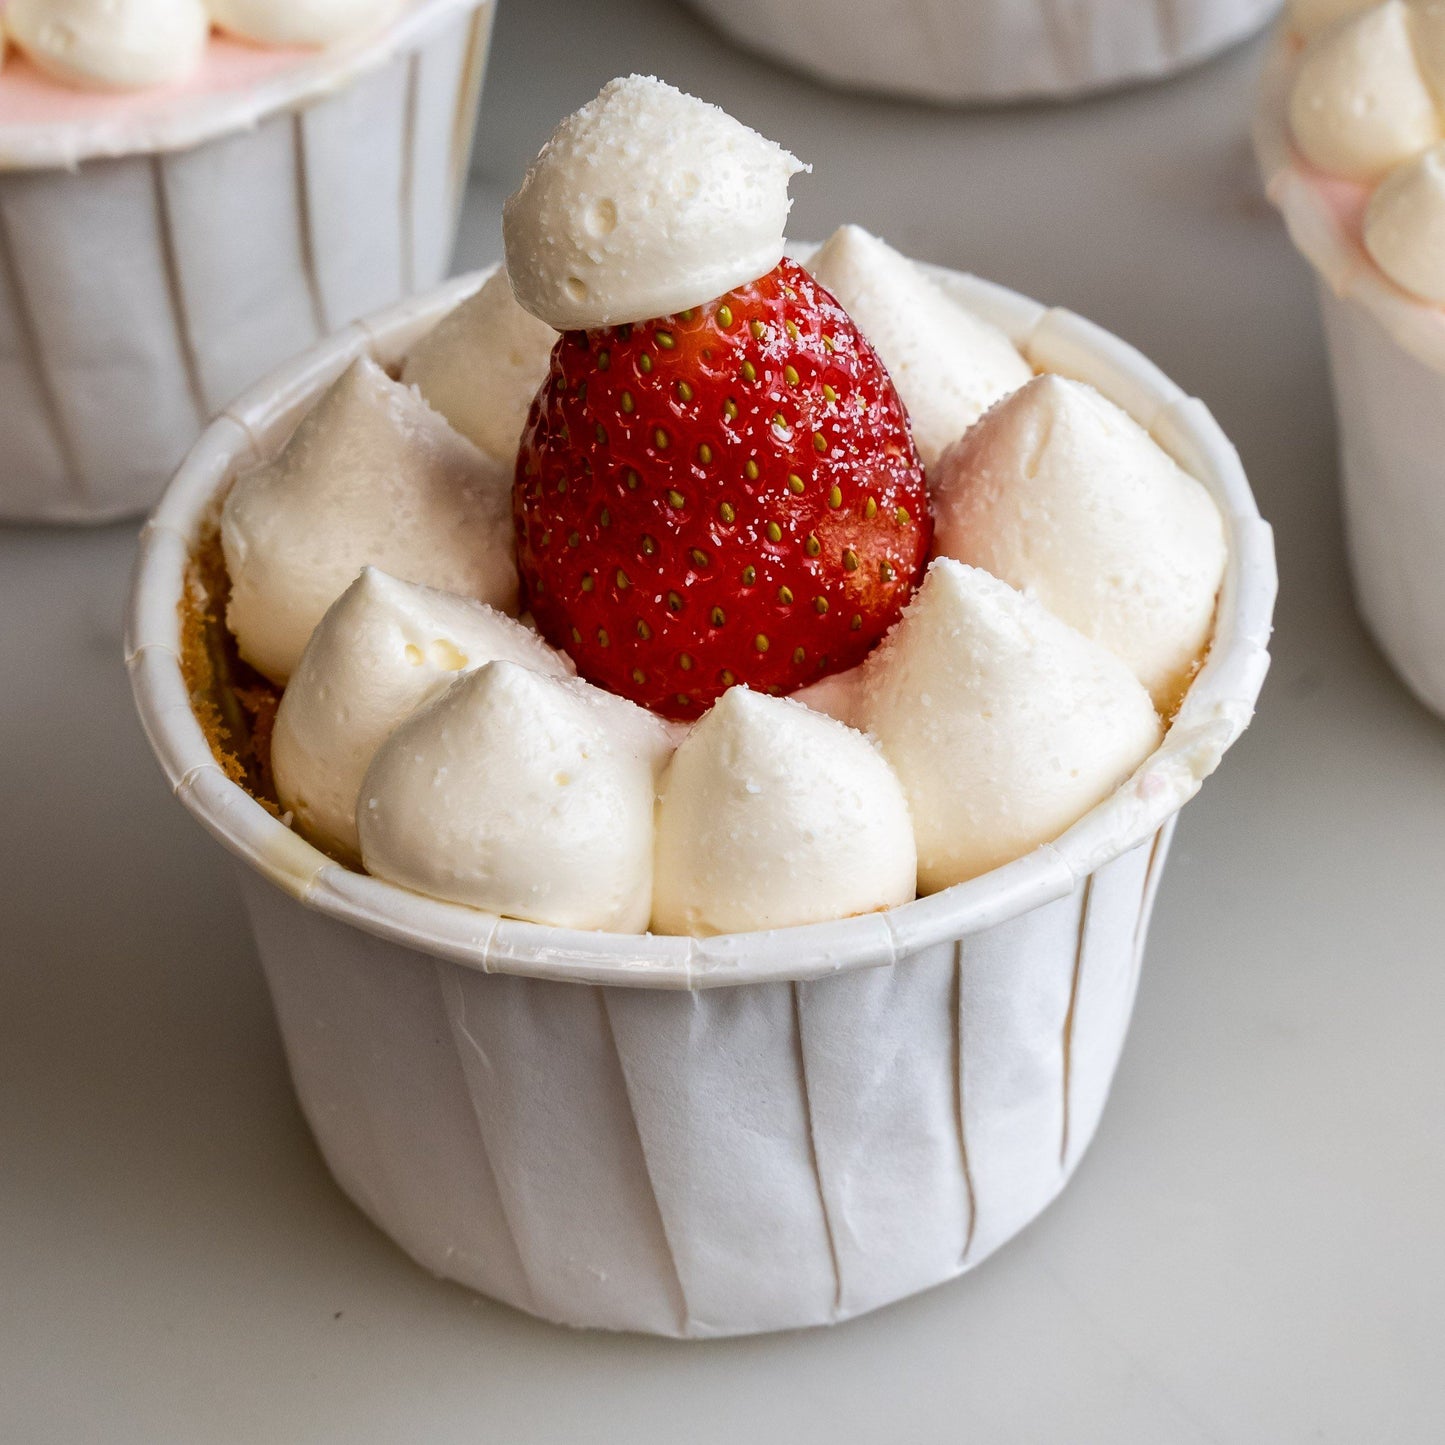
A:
(726, 495)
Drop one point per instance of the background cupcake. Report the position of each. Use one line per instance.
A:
(1350, 137)
(181, 207)
(987, 50)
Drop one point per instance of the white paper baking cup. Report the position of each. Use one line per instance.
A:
(987, 50)
(1387, 363)
(709, 1136)
(146, 277)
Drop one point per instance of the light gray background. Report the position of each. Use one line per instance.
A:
(1252, 1251)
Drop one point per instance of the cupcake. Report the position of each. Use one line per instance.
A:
(700, 824)
(1351, 142)
(191, 192)
(957, 51)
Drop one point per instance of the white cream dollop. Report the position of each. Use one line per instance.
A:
(384, 649)
(111, 44)
(521, 795)
(1004, 725)
(773, 815)
(1063, 495)
(1309, 17)
(482, 364)
(1427, 29)
(643, 203)
(1405, 226)
(949, 365)
(301, 22)
(1360, 103)
(372, 477)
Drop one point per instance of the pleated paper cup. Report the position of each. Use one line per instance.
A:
(1387, 365)
(959, 51)
(149, 273)
(708, 1136)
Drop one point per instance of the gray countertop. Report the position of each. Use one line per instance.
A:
(1252, 1252)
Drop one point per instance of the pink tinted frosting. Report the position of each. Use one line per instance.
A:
(1346, 200)
(29, 97)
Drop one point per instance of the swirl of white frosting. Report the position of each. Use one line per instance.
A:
(1427, 29)
(523, 795)
(771, 815)
(1004, 725)
(301, 22)
(1405, 226)
(1060, 493)
(1309, 17)
(949, 365)
(643, 203)
(111, 44)
(384, 649)
(1368, 105)
(1361, 104)
(482, 364)
(371, 477)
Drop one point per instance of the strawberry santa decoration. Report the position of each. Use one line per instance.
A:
(724, 494)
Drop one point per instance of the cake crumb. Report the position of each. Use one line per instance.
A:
(234, 704)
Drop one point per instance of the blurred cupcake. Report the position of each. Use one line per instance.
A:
(191, 192)
(1350, 136)
(987, 50)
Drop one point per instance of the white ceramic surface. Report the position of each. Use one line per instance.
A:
(987, 50)
(1387, 364)
(139, 292)
(726, 1135)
